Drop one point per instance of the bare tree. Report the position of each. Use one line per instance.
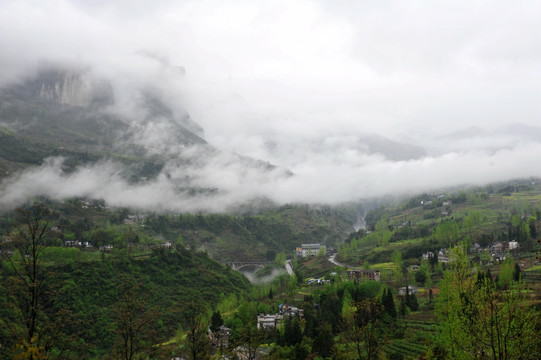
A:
(24, 248)
(197, 342)
(134, 322)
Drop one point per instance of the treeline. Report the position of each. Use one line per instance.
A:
(226, 237)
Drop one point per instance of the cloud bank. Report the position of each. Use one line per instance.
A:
(296, 83)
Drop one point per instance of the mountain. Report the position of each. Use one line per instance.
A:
(472, 131)
(75, 115)
(529, 132)
(390, 149)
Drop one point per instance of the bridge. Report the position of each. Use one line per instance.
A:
(237, 265)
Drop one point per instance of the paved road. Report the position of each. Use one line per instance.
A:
(289, 267)
(331, 259)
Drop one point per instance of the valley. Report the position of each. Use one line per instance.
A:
(99, 262)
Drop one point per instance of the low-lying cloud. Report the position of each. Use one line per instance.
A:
(299, 83)
(316, 181)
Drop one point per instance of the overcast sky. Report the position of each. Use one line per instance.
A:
(269, 79)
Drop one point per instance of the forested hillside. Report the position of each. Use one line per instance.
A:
(71, 304)
(113, 282)
(509, 211)
(226, 237)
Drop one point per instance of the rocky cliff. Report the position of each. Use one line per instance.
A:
(71, 88)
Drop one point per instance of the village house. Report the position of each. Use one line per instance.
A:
(498, 247)
(307, 250)
(220, 338)
(412, 290)
(318, 281)
(268, 321)
(442, 256)
(359, 275)
(475, 248)
(285, 310)
(72, 243)
(107, 248)
(77, 243)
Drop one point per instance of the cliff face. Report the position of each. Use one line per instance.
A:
(68, 89)
(71, 88)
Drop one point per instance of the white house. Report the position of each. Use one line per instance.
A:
(268, 321)
(513, 245)
(307, 250)
(411, 290)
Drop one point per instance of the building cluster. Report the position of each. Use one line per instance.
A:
(308, 250)
(442, 255)
(318, 281)
(134, 219)
(77, 243)
(364, 275)
(497, 251)
(270, 321)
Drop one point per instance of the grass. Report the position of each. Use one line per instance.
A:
(384, 266)
(534, 268)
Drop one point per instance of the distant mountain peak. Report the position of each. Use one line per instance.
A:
(469, 132)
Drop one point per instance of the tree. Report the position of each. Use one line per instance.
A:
(134, 320)
(421, 275)
(197, 342)
(387, 301)
(396, 258)
(382, 231)
(531, 224)
(479, 321)
(25, 246)
(524, 232)
(324, 342)
(292, 331)
(362, 333)
(280, 259)
(249, 338)
(517, 273)
(411, 301)
(216, 321)
(447, 233)
(506, 273)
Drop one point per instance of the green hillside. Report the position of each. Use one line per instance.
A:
(84, 296)
(225, 237)
(430, 222)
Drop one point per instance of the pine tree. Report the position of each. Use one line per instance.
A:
(293, 332)
(516, 273)
(391, 307)
(216, 321)
(324, 342)
(411, 302)
(387, 301)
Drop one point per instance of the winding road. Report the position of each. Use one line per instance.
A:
(331, 259)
